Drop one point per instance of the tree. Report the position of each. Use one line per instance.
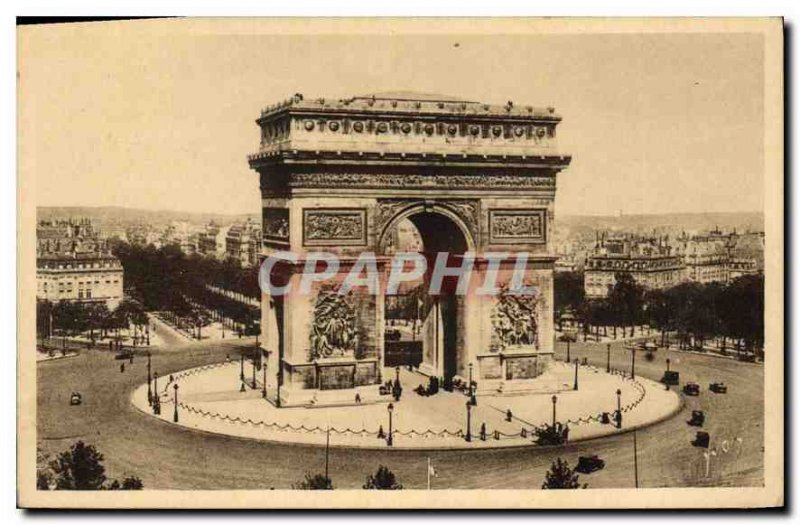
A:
(129, 483)
(568, 291)
(626, 300)
(314, 482)
(383, 479)
(560, 476)
(79, 468)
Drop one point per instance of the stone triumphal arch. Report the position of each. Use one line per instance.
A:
(340, 175)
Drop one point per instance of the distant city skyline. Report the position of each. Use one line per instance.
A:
(152, 115)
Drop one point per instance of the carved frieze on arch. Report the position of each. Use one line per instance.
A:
(465, 213)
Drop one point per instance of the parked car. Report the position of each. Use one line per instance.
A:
(698, 418)
(701, 439)
(718, 388)
(589, 464)
(671, 377)
(75, 399)
(125, 354)
(691, 389)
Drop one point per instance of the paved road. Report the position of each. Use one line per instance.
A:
(169, 457)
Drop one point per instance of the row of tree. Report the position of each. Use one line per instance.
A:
(166, 279)
(696, 312)
(72, 318)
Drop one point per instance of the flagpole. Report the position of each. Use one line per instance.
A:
(327, 448)
(429, 473)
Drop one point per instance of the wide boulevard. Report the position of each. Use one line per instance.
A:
(167, 456)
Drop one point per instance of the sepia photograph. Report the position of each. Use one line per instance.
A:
(469, 261)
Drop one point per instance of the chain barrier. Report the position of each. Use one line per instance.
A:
(524, 432)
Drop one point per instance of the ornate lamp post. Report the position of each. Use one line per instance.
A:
(554, 399)
(468, 437)
(633, 362)
(568, 359)
(608, 358)
(397, 375)
(472, 399)
(241, 368)
(576, 375)
(619, 408)
(175, 414)
(668, 364)
(390, 408)
(149, 377)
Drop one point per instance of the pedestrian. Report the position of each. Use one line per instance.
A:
(122, 368)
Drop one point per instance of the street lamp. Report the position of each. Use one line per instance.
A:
(397, 375)
(254, 371)
(278, 384)
(241, 368)
(156, 400)
(175, 414)
(389, 437)
(619, 408)
(668, 364)
(554, 399)
(576, 374)
(608, 358)
(264, 390)
(633, 362)
(149, 390)
(472, 388)
(468, 437)
(568, 359)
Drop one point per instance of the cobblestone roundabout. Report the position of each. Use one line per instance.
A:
(210, 400)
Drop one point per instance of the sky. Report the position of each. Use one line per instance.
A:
(152, 115)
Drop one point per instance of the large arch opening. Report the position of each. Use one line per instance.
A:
(425, 330)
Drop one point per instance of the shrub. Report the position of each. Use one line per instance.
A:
(383, 479)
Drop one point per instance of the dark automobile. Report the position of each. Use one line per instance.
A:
(701, 439)
(75, 399)
(698, 418)
(589, 464)
(718, 388)
(671, 377)
(392, 335)
(125, 354)
(691, 389)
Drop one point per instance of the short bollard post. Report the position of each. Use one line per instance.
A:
(483, 431)
(509, 415)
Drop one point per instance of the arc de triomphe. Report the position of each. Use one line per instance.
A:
(340, 175)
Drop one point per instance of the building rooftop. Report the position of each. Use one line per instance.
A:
(409, 102)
